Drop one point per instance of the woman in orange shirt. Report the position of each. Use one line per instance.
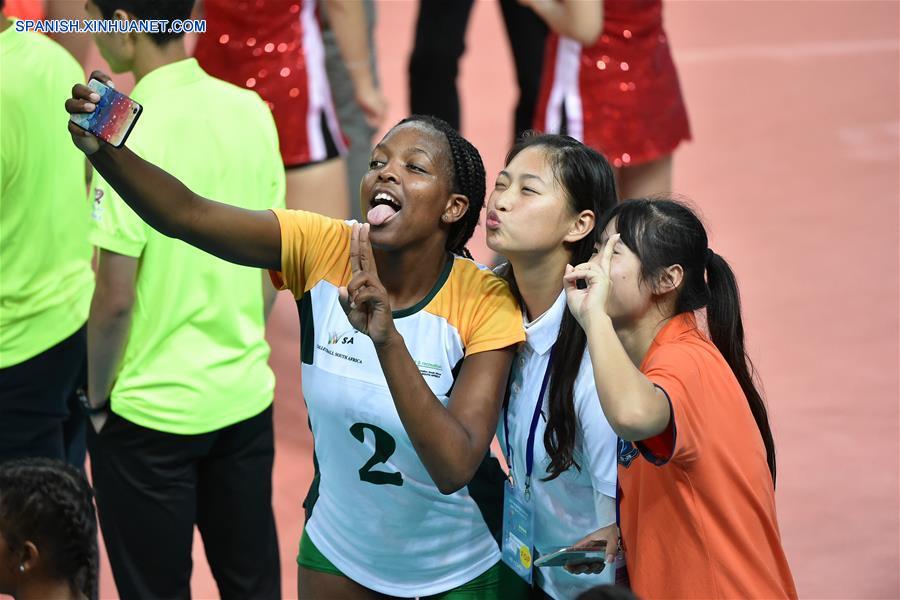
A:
(696, 456)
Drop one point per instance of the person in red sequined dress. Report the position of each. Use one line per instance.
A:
(275, 48)
(619, 92)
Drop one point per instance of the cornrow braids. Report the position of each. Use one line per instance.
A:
(51, 504)
(468, 178)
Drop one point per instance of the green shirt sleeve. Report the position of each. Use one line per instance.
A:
(115, 226)
(275, 183)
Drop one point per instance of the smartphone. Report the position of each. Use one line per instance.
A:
(572, 556)
(114, 117)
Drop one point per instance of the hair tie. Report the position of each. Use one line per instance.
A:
(709, 256)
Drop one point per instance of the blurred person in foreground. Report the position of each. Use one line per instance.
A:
(45, 257)
(48, 531)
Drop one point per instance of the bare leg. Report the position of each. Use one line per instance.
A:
(313, 585)
(320, 188)
(645, 180)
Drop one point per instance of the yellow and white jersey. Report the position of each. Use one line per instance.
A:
(373, 510)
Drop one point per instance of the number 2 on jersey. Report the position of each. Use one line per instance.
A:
(384, 448)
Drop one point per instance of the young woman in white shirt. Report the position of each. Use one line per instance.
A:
(541, 216)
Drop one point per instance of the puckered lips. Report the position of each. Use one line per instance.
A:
(493, 220)
(384, 207)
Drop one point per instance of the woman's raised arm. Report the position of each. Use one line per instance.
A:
(247, 237)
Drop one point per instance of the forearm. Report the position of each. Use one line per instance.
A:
(157, 197)
(348, 22)
(446, 448)
(234, 234)
(630, 402)
(581, 20)
(604, 508)
(107, 337)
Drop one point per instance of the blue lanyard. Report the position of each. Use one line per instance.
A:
(529, 449)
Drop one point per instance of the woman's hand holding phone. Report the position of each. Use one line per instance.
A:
(84, 101)
(98, 113)
(606, 538)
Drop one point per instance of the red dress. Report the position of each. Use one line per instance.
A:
(275, 48)
(621, 95)
(25, 9)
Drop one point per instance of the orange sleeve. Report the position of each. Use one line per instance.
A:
(495, 319)
(313, 247)
(673, 370)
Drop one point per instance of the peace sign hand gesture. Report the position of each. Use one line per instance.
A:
(591, 301)
(364, 299)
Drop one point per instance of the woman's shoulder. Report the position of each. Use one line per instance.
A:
(695, 350)
(313, 224)
(474, 278)
(481, 305)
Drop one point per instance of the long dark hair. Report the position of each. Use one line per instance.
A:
(51, 504)
(589, 184)
(663, 232)
(467, 178)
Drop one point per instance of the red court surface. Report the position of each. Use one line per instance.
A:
(794, 165)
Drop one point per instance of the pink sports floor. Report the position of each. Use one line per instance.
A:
(794, 165)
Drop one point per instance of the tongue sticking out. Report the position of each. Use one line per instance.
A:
(380, 214)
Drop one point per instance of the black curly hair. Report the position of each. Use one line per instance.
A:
(50, 504)
(468, 179)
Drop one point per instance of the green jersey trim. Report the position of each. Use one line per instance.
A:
(441, 280)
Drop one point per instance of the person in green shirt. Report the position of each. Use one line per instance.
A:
(45, 257)
(178, 379)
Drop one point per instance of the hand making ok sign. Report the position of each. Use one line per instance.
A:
(590, 301)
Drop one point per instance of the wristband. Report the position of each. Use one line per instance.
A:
(86, 404)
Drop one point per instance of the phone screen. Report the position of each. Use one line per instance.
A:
(114, 116)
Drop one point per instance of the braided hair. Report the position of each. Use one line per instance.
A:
(467, 179)
(50, 504)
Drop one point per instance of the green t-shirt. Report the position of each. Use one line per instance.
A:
(196, 358)
(46, 280)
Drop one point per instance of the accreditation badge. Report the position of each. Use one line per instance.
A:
(518, 531)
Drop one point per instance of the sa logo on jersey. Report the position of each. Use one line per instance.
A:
(336, 338)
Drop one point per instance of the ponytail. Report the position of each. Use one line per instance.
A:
(726, 331)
